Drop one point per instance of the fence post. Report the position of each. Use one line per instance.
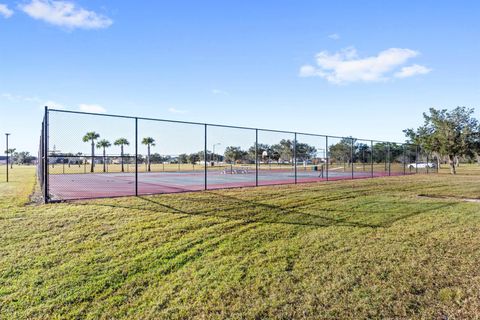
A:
(351, 156)
(205, 157)
(136, 157)
(256, 157)
(371, 156)
(6, 135)
(295, 156)
(41, 158)
(404, 161)
(45, 179)
(428, 163)
(389, 157)
(327, 158)
(416, 159)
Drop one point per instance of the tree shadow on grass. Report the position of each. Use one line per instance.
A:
(234, 208)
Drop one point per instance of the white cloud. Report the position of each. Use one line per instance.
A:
(19, 98)
(307, 71)
(92, 108)
(412, 71)
(334, 36)
(51, 104)
(177, 111)
(9, 97)
(346, 66)
(5, 11)
(219, 92)
(65, 14)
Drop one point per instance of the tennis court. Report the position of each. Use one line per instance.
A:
(98, 185)
(84, 155)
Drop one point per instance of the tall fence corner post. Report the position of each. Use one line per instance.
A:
(295, 156)
(205, 159)
(256, 157)
(45, 178)
(351, 157)
(372, 159)
(327, 156)
(136, 157)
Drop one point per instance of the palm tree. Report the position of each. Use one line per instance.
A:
(91, 136)
(148, 141)
(121, 142)
(104, 144)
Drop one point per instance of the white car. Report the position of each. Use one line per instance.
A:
(422, 165)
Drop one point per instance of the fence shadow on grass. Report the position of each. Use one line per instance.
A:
(283, 211)
(250, 211)
(264, 213)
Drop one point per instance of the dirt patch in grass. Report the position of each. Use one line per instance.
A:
(428, 196)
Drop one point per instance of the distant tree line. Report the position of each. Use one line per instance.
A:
(281, 152)
(19, 158)
(349, 150)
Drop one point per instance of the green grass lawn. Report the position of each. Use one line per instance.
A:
(349, 249)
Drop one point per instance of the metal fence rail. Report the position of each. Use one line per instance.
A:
(86, 155)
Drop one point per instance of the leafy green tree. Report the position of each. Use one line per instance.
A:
(121, 142)
(91, 137)
(275, 152)
(233, 154)
(396, 153)
(380, 152)
(342, 151)
(104, 144)
(149, 142)
(193, 158)
(261, 149)
(452, 133)
(24, 157)
(158, 158)
(362, 153)
(283, 150)
(183, 158)
(305, 151)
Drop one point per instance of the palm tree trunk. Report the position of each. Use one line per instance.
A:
(148, 158)
(104, 161)
(93, 156)
(121, 155)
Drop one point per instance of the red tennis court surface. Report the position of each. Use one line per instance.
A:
(102, 185)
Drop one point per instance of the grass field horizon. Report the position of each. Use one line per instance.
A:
(396, 247)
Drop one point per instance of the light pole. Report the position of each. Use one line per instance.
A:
(6, 151)
(213, 154)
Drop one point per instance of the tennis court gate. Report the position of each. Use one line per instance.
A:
(88, 155)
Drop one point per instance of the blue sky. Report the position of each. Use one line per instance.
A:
(362, 68)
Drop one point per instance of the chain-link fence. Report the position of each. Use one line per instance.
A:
(84, 155)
